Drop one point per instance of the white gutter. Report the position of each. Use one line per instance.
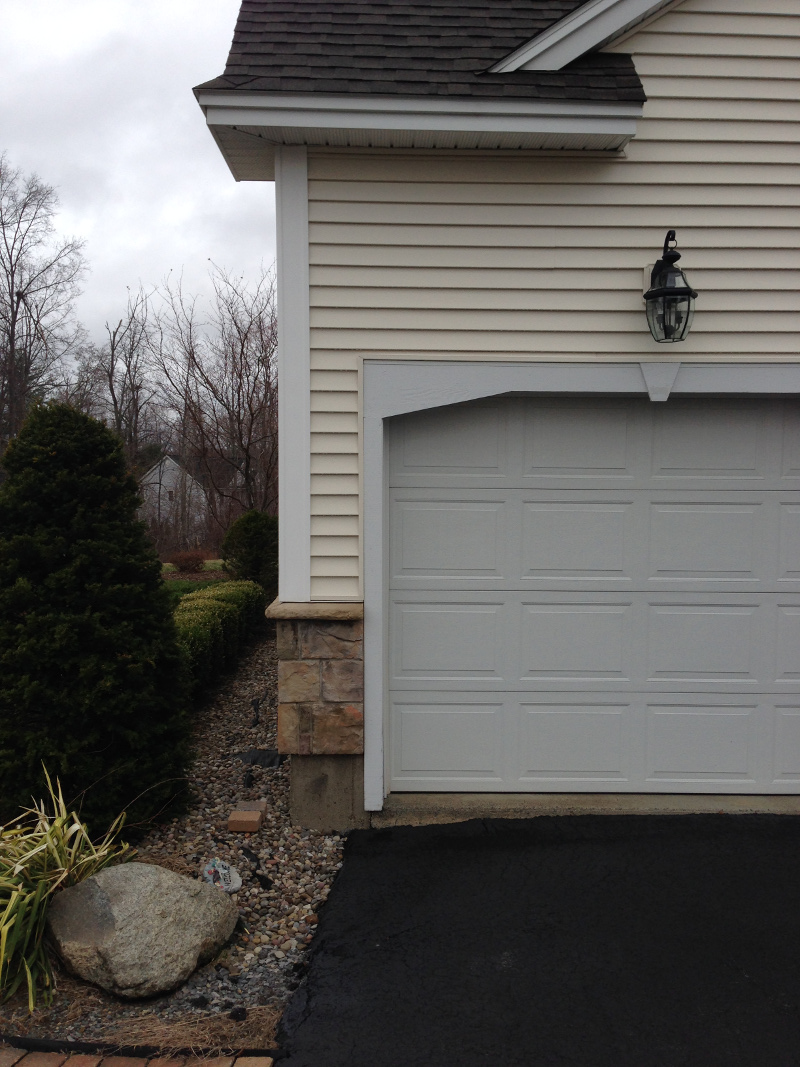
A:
(340, 112)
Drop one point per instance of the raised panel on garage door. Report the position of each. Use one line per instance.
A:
(595, 594)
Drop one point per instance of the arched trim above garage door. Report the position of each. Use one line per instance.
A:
(392, 388)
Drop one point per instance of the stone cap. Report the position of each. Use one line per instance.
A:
(331, 611)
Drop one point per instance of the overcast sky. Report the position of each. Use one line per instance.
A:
(95, 96)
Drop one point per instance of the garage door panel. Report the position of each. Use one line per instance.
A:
(790, 444)
(705, 541)
(569, 440)
(463, 442)
(689, 445)
(706, 642)
(568, 539)
(789, 542)
(449, 740)
(449, 641)
(452, 538)
(703, 744)
(576, 641)
(786, 756)
(787, 644)
(587, 741)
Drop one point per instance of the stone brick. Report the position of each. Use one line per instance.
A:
(298, 681)
(294, 729)
(253, 805)
(81, 1060)
(331, 640)
(164, 1061)
(245, 822)
(288, 728)
(286, 638)
(343, 680)
(338, 729)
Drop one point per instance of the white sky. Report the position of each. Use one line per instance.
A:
(95, 97)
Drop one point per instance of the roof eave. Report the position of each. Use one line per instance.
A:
(249, 125)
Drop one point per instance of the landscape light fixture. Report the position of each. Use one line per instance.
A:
(669, 301)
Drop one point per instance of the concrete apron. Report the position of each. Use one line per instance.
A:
(327, 792)
(424, 809)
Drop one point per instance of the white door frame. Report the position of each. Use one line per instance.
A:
(395, 387)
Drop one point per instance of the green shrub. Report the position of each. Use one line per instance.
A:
(212, 623)
(248, 598)
(228, 619)
(250, 549)
(90, 671)
(201, 641)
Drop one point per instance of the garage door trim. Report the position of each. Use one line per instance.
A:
(400, 387)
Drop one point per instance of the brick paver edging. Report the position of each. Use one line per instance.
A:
(19, 1057)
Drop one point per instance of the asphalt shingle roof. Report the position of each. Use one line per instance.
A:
(402, 47)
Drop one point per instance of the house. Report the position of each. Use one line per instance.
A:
(573, 551)
(174, 502)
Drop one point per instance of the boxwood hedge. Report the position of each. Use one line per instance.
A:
(212, 624)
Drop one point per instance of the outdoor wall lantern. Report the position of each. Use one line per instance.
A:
(669, 301)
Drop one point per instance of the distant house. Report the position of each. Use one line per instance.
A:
(174, 504)
(573, 550)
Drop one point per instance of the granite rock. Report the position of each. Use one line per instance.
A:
(137, 930)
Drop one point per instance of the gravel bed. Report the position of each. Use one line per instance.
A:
(286, 875)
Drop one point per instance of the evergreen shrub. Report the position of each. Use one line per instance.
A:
(248, 598)
(91, 679)
(201, 640)
(213, 623)
(250, 549)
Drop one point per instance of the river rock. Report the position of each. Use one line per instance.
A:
(137, 930)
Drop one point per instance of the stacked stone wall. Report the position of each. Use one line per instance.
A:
(320, 687)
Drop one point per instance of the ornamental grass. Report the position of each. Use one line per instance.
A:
(46, 850)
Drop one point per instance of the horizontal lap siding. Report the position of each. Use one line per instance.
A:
(463, 256)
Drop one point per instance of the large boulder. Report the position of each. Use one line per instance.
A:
(137, 930)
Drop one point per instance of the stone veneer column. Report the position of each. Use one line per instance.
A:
(321, 710)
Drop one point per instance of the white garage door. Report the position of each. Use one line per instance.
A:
(598, 595)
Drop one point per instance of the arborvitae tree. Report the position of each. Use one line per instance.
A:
(90, 673)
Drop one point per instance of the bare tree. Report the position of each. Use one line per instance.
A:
(125, 362)
(220, 376)
(39, 277)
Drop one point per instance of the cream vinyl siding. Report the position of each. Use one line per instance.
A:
(517, 256)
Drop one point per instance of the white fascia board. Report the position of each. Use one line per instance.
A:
(582, 31)
(352, 112)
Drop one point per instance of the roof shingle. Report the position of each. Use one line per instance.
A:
(401, 47)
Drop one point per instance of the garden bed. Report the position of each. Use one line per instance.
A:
(265, 960)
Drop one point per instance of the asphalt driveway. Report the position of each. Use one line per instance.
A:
(649, 941)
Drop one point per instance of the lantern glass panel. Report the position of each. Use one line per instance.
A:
(670, 317)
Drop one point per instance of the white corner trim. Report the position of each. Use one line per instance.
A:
(294, 375)
(580, 32)
(401, 387)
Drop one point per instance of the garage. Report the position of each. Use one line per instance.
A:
(594, 594)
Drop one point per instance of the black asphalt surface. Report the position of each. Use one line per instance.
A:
(627, 941)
